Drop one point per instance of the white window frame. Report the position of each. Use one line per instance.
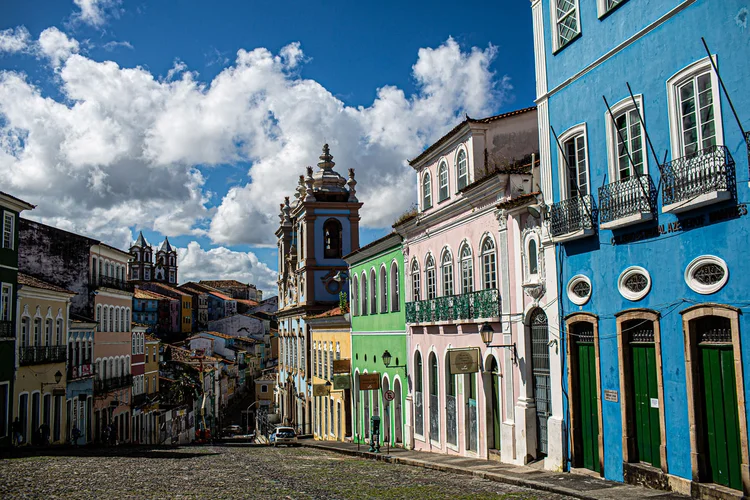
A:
(426, 180)
(602, 9)
(395, 287)
(572, 132)
(699, 287)
(373, 291)
(470, 259)
(673, 102)
(628, 294)
(416, 286)
(443, 167)
(430, 277)
(555, 33)
(383, 288)
(468, 169)
(444, 277)
(579, 301)
(12, 215)
(355, 294)
(6, 290)
(624, 106)
(492, 253)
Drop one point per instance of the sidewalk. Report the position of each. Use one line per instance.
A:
(562, 483)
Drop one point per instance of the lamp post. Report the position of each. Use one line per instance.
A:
(487, 332)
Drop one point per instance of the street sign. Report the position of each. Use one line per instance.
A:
(463, 361)
(341, 382)
(389, 395)
(369, 382)
(320, 390)
(342, 366)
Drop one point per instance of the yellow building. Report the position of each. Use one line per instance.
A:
(150, 420)
(331, 364)
(39, 392)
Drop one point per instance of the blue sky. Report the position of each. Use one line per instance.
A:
(352, 50)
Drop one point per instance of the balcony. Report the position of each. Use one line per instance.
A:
(467, 306)
(694, 181)
(139, 400)
(6, 329)
(109, 282)
(41, 355)
(110, 384)
(626, 202)
(572, 219)
(83, 370)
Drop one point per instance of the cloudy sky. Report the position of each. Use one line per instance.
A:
(195, 122)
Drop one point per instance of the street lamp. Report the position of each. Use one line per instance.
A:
(487, 332)
(58, 378)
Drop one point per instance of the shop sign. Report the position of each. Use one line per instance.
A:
(369, 382)
(341, 382)
(342, 366)
(463, 360)
(610, 395)
(320, 390)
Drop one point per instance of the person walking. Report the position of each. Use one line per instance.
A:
(17, 430)
(76, 434)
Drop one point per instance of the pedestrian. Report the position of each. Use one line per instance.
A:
(44, 434)
(105, 434)
(17, 430)
(76, 433)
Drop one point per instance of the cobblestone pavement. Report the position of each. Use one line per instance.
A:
(234, 471)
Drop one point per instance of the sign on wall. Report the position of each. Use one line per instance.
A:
(342, 366)
(320, 390)
(463, 360)
(341, 382)
(610, 395)
(369, 382)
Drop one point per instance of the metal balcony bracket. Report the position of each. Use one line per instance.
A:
(512, 347)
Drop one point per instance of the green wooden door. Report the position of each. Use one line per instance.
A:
(721, 430)
(589, 407)
(646, 403)
(495, 405)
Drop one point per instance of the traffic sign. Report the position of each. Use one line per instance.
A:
(389, 395)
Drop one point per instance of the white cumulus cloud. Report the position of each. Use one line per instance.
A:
(197, 264)
(94, 12)
(14, 39)
(56, 46)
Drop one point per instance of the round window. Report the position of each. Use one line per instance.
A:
(634, 283)
(579, 289)
(706, 274)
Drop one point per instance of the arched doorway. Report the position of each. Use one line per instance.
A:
(541, 377)
(451, 405)
(584, 387)
(434, 399)
(397, 413)
(493, 404)
(418, 395)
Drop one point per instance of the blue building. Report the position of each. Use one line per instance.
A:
(146, 308)
(316, 230)
(79, 390)
(645, 236)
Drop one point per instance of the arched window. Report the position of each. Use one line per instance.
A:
(48, 332)
(363, 293)
(122, 321)
(446, 268)
(426, 191)
(383, 291)
(489, 261)
(429, 278)
(434, 399)
(132, 343)
(25, 331)
(105, 313)
(373, 293)
(462, 168)
(467, 270)
(127, 319)
(117, 319)
(443, 181)
(418, 398)
(415, 295)
(533, 259)
(332, 239)
(59, 331)
(94, 274)
(111, 319)
(355, 297)
(395, 291)
(37, 330)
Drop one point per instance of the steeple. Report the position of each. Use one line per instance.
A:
(326, 179)
(166, 247)
(141, 241)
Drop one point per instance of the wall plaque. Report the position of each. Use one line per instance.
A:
(342, 366)
(320, 390)
(463, 360)
(369, 382)
(341, 382)
(610, 395)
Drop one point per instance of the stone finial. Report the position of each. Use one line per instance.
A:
(286, 210)
(309, 185)
(352, 183)
(281, 213)
(326, 159)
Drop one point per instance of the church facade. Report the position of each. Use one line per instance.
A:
(147, 266)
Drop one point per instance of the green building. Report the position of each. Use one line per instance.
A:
(378, 338)
(10, 208)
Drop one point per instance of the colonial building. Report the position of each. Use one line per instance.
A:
(644, 168)
(235, 289)
(150, 410)
(10, 208)
(317, 229)
(39, 387)
(378, 338)
(331, 347)
(472, 394)
(147, 266)
(80, 378)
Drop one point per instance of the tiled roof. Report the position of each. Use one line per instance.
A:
(26, 280)
(447, 136)
(336, 311)
(247, 302)
(142, 294)
(171, 289)
(372, 243)
(218, 334)
(225, 283)
(518, 201)
(222, 296)
(151, 338)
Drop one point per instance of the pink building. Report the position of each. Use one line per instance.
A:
(471, 265)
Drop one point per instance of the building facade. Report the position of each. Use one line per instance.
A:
(376, 335)
(646, 194)
(147, 266)
(316, 231)
(10, 208)
(471, 396)
(80, 379)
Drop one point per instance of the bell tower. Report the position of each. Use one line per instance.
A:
(166, 264)
(141, 267)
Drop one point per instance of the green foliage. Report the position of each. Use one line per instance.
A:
(343, 302)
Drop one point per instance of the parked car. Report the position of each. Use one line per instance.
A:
(285, 436)
(231, 430)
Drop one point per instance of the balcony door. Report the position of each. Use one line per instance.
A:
(541, 377)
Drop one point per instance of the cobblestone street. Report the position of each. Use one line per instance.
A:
(226, 471)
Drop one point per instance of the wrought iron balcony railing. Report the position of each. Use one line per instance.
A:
(41, 354)
(705, 171)
(626, 198)
(6, 329)
(109, 282)
(572, 215)
(467, 306)
(139, 399)
(110, 384)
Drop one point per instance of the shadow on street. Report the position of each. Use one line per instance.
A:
(123, 451)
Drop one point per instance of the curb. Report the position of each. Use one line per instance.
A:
(492, 476)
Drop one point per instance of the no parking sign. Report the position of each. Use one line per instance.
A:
(389, 395)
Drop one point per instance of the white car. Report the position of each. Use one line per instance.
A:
(285, 436)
